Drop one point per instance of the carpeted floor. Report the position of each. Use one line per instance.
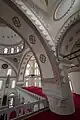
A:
(48, 115)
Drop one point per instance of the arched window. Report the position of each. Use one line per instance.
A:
(28, 65)
(1, 82)
(70, 83)
(17, 49)
(12, 50)
(27, 72)
(32, 72)
(39, 83)
(5, 50)
(26, 84)
(35, 83)
(13, 84)
(9, 72)
(22, 47)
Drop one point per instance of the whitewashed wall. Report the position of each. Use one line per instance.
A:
(75, 78)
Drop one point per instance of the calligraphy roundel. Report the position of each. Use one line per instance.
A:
(16, 21)
(32, 39)
(4, 66)
(42, 58)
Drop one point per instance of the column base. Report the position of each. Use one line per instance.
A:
(61, 106)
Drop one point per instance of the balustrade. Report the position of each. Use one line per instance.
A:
(23, 109)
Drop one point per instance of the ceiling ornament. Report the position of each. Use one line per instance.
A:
(62, 8)
(42, 58)
(16, 21)
(4, 66)
(15, 59)
(32, 39)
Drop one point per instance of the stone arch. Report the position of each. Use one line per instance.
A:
(25, 58)
(50, 72)
(39, 40)
(68, 25)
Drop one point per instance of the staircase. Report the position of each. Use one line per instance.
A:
(33, 104)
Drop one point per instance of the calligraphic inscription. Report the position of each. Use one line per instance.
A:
(32, 39)
(16, 21)
(4, 66)
(42, 58)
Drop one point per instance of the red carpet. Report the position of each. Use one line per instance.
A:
(35, 90)
(48, 115)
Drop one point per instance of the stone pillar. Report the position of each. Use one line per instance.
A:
(59, 94)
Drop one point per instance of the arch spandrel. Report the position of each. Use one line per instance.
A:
(16, 20)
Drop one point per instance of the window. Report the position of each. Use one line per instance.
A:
(17, 49)
(28, 65)
(22, 46)
(35, 83)
(33, 70)
(5, 50)
(71, 87)
(39, 83)
(12, 50)
(9, 72)
(36, 65)
(13, 84)
(27, 79)
(1, 84)
(26, 84)
(27, 72)
(37, 71)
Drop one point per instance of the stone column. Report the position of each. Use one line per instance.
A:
(59, 94)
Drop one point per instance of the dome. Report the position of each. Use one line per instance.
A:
(10, 42)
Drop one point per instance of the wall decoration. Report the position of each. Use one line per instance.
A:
(16, 21)
(4, 66)
(32, 39)
(42, 58)
(21, 73)
(15, 59)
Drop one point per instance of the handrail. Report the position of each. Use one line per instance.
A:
(23, 117)
(30, 93)
(27, 107)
